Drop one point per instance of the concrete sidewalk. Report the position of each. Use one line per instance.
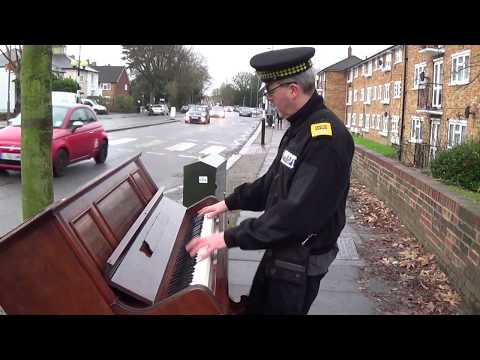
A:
(339, 291)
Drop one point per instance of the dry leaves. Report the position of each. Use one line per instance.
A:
(417, 284)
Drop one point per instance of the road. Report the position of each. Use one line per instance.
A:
(165, 150)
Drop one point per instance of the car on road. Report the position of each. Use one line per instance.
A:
(77, 135)
(198, 114)
(158, 109)
(217, 111)
(245, 111)
(99, 109)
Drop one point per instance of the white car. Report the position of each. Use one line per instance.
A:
(217, 111)
(158, 109)
(99, 109)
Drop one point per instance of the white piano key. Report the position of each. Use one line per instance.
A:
(201, 273)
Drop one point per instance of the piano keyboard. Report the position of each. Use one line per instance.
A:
(188, 270)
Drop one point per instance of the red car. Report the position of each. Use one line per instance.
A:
(77, 135)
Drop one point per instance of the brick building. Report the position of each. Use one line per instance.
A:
(332, 81)
(113, 80)
(442, 96)
(374, 96)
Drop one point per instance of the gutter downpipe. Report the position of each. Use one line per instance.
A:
(405, 88)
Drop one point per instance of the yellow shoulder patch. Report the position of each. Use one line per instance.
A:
(321, 129)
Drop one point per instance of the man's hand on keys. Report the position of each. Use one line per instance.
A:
(213, 210)
(204, 246)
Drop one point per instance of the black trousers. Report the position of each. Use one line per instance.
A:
(269, 296)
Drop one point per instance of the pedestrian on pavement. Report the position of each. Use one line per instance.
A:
(303, 194)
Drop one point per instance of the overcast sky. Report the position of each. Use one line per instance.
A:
(224, 61)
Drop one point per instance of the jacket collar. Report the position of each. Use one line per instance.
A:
(313, 104)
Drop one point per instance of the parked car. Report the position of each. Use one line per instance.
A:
(228, 108)
(158, 109)
(198, 114)
(77, 135)
(217, 111)
(184, 109)
(245, 111)
(99, 109)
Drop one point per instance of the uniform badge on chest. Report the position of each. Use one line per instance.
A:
(288, 159)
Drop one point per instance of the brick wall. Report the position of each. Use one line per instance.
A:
(335, 92)
(445, 224)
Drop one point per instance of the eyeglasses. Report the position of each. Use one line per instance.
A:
(270, 92)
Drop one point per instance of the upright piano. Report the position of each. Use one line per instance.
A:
(117, 246)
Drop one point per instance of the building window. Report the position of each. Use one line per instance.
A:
(386, 94)
(457, 132)
(378, 122)
(374, 93)
(349, 119)
(106, 86)
(368, 95)
(362, 94)
(354, 119)
(398, 55)
(355, 95)
(350, 76)
(397, 89)
(356, 72)
(367, 122)
(394, 138)
(419, 68)
(379, 92)
(385, 125)
(460, 68)
(126, 87)
(416, 132)
(364, 69)
(349, 98)
(360, 120)
(374, 64)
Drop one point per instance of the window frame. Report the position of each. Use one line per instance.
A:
(462, 54)
(463, 134)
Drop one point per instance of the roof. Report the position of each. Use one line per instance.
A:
(108, 74)
(344, 64)
(65, 62)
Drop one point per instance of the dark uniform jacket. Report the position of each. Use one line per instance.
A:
(304, 192)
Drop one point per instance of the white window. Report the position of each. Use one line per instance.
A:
(379, 93)
(374, 93)
(457, 132)
(362, 94)
(349, 98)
(398, 55)
(397, 89)
(354, 119)
(460, 68)
(364, 69)
(419, 68)
(369, 68)
(106, 86)
(360, 120)
(378, 121)
(394, 138)
(355, 95)
(350, 76)
(388, 61)
(367, 122)
(369, 95)
(386, 94)
(126, 87)
(416, 133)
(355, 72)
(385, 125)
(374, 64)
(349, 119)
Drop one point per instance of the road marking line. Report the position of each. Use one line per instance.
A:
(188, 156)
(181, 147)
(122, 141)
(214, 149)
(154, 153)
(150, 143)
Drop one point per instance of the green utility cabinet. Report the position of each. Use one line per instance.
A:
(205, 177)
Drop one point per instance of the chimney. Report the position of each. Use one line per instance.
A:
(349, 51)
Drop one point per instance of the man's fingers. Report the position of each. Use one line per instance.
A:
(193, 243)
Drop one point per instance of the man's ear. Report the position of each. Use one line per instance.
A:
(294, 90)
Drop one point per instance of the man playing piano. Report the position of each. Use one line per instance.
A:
(303, 194)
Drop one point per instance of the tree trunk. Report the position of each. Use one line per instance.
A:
(37, 172)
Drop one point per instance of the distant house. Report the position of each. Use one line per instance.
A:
(113, 80)
(67, 67)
